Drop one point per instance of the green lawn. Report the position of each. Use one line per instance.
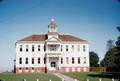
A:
(91, 76)
(29, 77)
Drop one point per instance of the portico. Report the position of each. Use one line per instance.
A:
(53, 61)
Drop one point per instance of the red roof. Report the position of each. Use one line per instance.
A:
(44, 37)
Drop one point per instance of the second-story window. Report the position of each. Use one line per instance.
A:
(78, 48)
(72, 47)
(33, 48)
(38, 47)
(20, 48)
(61, 48)
(44, 48)
(26, 48)
(66, 47)
(84, 49)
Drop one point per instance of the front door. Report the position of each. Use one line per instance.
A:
(53, 66)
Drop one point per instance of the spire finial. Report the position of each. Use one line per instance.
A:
(53, 19)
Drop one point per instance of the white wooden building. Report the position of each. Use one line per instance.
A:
(52, 52)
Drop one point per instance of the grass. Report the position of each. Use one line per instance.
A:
(92, 76)
(28, 77)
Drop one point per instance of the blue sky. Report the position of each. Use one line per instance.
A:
(92, 20)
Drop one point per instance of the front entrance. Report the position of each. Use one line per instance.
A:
(53, 63)
(53, 66)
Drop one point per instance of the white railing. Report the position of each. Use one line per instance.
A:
(64, 79)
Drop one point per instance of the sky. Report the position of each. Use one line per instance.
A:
(92, 20)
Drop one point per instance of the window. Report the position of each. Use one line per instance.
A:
(66, 47)
(39, 60)
(20, 48)
(78, 48)
(38, 47)
(26, 61)
(84, 60)
(84, 48)
(53, 64)
(53, 48)
(44, 60)
(26, 48)
(67, 60)
(32, 68)
(78, 60)
(72, 47)
(44, 48)
(61, 60)
(26, 68)
(32, 60)
(72, 60)
(20, 60)
(32, 48)
(20, 68)
(61, 48)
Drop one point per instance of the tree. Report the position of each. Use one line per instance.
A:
(109, 58)
(118, 28)
(117, 56)
(1, 0)
(94, 59)
(110, 44)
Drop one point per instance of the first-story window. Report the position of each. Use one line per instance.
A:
(20, 60)
(26, 61)
(67, 60)
(39, 60)
(32, 60)
(78, 60)
(84, 60)
(44, 60)
(61, 60)
(73, 60)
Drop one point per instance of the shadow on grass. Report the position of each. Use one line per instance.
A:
(106, 75)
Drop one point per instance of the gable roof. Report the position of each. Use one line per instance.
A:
(44, 37)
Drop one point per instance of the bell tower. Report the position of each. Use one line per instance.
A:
(52, 26)
(52, 29)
